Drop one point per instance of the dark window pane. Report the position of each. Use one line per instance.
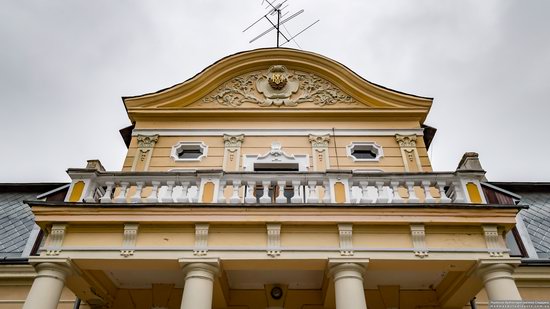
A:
(363, 153)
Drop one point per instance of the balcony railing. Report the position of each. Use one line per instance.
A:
(217, 187)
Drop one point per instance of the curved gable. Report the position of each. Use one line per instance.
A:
(280, 80)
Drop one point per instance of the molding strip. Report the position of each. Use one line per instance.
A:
(276, 132)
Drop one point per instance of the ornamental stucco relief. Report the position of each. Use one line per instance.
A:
(278, 87)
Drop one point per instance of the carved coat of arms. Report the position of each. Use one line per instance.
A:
(278, 87)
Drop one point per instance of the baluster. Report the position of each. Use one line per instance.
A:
(459, 194)
(250, 198)
(235, 197)
(429, 198)
(106, 198)
(121, 198)
(412, 195)
(443, 196)
(281, 198)
(265, 196)
(136, 198)
(90, 197)
(153, 197)
(396, 198)
(221, 192)
(312, 197)
(382, 194)
(365, 196)
(167, 197)
(184, 197)
(326, 195)
(296, 198)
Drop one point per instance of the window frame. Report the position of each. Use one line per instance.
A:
(179, 145)
(377, 149)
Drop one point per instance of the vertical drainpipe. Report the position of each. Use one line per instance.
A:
(76, 303)
(473, 303)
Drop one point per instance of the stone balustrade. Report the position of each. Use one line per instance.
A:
(331, 187)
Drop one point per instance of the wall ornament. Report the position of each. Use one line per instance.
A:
(278, 87)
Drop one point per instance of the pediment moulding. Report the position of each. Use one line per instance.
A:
(276, 78)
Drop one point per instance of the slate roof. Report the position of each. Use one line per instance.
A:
(537, 220)
(16, 218)
(537, 217)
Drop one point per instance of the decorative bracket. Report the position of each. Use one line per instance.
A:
(56, 237)
(346, 245)
(491, 238)
(201, 239)
(129, 239)
(418, 234)
(273, 239)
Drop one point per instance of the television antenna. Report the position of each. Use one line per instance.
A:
(277, 10)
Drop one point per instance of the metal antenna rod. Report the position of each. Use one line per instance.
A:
(278, 7)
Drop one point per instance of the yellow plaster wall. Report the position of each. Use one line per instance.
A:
(94, 236)
(309, 236)
(292, 145)
(454, 237)
(225, 236)
(381, 236)
(157, 236)
(12, 296)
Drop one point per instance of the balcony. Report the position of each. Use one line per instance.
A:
(333, 187)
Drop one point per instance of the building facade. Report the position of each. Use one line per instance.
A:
(276, 178)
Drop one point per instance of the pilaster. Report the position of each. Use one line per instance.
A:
(144, 152)
(232, 152)
(319, 151)
(409, 153)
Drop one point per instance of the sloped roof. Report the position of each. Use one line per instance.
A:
(16, 218)
(537, 216)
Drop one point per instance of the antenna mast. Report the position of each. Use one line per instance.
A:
(278, 10)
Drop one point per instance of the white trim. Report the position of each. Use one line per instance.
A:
(276, 132)
(43, 195)
(525, 238)
(202, 145)
(264, 248)
(276, 155)
(33, 237)
(379, 151)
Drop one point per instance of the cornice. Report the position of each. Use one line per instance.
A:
(372, 95)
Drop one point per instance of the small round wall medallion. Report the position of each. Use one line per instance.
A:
(276, 292)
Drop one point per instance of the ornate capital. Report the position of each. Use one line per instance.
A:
(147, 141)
(406, 140)
(233, 141)
(319, 141)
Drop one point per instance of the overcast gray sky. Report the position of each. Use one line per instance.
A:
(65, 64)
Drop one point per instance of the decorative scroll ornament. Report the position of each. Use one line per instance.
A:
(406, 140)
(278, 87)
(319, 141)
(147, 141)
(233, 141)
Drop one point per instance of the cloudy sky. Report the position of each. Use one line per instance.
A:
(64, 64)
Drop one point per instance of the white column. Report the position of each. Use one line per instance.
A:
(498, 281)
(47, 286)
(348, 286)
(199, 286)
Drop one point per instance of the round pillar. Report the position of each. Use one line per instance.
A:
(199, 286)
(47, 286)
(348, 286)
(498, 282)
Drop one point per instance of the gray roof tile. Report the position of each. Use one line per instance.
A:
(16, 222)
(537, 219)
